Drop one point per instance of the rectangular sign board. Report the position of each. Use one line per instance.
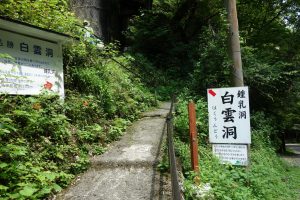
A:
(36, 65)
(235, 154)
(229, 116)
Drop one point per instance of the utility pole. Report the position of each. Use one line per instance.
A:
(237, 78)
(235, 49)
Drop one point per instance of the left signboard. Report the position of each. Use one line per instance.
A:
(30, 64)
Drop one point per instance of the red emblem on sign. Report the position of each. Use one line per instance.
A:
(212, 92)
(48, 85)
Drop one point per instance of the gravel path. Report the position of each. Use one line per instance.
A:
(294, 160)
(128, 170)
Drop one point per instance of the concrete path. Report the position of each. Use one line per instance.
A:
(294, 160)
(128, 170)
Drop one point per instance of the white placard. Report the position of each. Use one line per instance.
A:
(234, 154)
(37, 65)
(229, 116)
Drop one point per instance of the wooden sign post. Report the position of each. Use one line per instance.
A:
(193, 139)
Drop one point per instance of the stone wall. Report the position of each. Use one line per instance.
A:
(108, 18)
(91, 11)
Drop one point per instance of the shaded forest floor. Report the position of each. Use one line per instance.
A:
(292, 156)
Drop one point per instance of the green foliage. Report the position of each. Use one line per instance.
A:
(50, 14)
(110, 83)
(274, 88)
(152, 28)
(196, 32)
(45, 141)
(175, 26)
(268, 79)
(266, 178)
(164, 164)
(213, 66)
(34, 147)
(83, 109)
(264, 131)
(117, 129)
(181, 120)
(192, 36)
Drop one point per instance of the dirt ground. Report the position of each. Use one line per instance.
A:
(293, 159)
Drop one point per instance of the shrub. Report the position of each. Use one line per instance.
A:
(266, 178)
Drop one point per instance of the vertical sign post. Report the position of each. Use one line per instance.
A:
(193, 139)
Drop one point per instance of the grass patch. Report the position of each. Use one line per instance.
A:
(268, 178)
(293, 176)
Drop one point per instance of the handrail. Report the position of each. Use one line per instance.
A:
(176, 194)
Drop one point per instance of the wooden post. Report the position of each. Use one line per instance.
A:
(193, 139)
(237, 77)
(235, 49)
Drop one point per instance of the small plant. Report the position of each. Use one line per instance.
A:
(265, 178)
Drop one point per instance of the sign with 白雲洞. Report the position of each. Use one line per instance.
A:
(229, 117)
(30, 65)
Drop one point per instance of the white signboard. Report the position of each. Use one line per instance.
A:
(37, 65)
(234, 154)
(229, 118)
